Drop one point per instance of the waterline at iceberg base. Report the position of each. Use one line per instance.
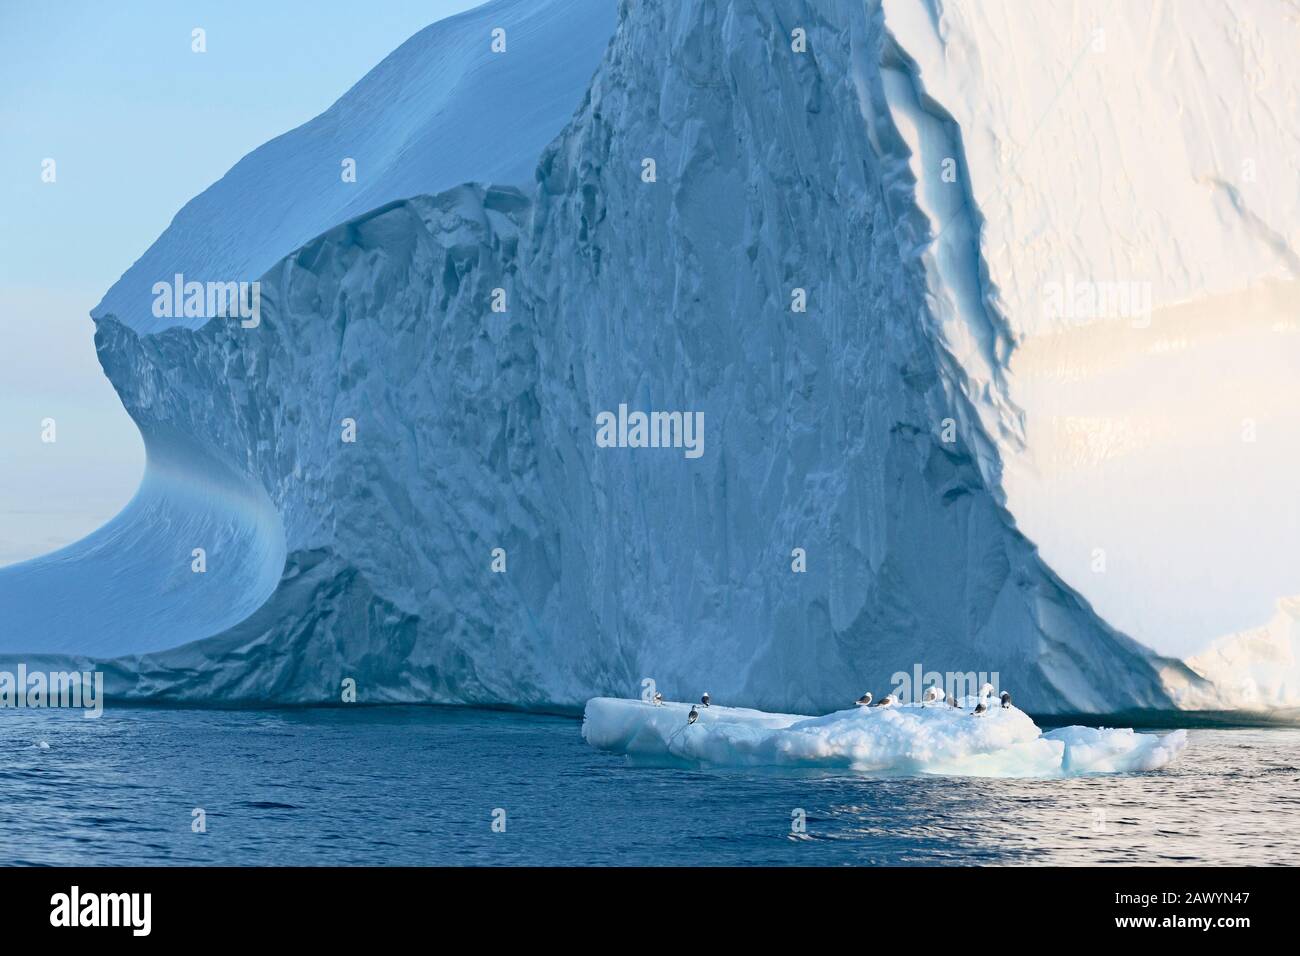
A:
(475, 430)
(897, 739)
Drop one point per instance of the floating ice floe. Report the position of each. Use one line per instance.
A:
(909, 739)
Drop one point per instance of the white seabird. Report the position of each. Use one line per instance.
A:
(952, 701)
(1006, 699)
(933, 693)
(864, 700)
(704, 698)
(693, 716)
(659, 699)
(983, 706)
(889, 701)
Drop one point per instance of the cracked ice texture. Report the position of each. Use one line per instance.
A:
(475, 429)
(440, 110)
(1186, 172)
(1151, 147)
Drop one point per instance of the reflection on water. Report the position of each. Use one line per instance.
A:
(419, 785)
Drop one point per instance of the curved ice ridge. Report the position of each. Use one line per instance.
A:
(130, 587)
(474, 428)
(440, 110)
(907, 739)
(135, 584)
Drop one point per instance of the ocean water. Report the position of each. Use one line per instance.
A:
(419, 785)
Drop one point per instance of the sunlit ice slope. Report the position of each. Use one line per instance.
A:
(1137, 169)
(442, 109)
(867, 431)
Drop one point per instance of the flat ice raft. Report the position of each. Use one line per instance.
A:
(934, 739)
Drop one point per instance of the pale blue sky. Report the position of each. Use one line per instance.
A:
(137, 124)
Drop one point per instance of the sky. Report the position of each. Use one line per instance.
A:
(137, 123)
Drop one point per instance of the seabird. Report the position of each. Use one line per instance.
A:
(864, 700)
(889, 701)
(693, 715)
(659, 699)
(1006, 699)
(704, 698)
(981, 707)
(952, 701)
(933, 693)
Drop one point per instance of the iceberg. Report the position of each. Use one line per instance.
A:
(440, 110)
(1257, 669)
(899, 739)
(1139, 243)
(1105, 750)
(396, 481)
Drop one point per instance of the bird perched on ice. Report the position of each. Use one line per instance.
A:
(704, 698)
(952, 701)
(889, 701)
(864, 700)
(983, 706)
(1006, 699)
(659, 699)
(693, 716)
(933, 694)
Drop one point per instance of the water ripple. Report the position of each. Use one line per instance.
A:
(420, 785)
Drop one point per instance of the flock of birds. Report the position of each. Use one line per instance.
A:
(933, 695)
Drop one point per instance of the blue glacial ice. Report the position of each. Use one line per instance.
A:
(825, 430)
(442, 109)
(128, 588)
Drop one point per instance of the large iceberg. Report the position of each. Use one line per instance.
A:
(440, 110)
(907, 738)
(1136, 171)
(475, 543)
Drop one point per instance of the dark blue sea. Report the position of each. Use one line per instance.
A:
(419, 785)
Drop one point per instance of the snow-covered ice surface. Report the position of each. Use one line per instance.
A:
(440, 110)
(909, 739)
(1257, 668)
(1114, 147)
(1110, 750)
(475, 429)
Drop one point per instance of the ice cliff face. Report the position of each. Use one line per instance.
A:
(825, 430)
(1137, 170)
(440, 110)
